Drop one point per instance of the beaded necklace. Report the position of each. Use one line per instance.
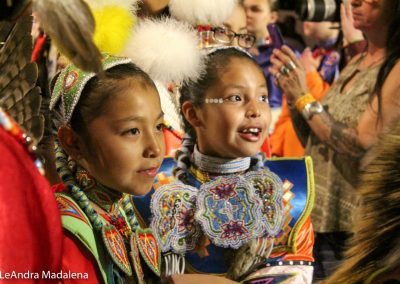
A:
(14, 129)
(219, 165)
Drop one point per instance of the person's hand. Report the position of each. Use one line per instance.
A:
(309, 62)
(289, 73)
(350, 34)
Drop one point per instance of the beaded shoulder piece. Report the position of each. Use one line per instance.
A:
(69, 208)
(173, 207)
(298, 198)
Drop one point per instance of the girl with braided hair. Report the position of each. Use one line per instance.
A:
(110, 145)
(219, 210)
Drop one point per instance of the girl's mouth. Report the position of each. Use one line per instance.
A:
(151, 172)
(251, 134)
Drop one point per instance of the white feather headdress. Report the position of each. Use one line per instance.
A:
(202, 12)
(167, 50)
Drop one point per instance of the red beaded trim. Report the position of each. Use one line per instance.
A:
(15, 130)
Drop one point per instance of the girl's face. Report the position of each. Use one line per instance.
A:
(238, 126)
(125, 145)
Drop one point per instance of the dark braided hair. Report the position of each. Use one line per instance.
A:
(194, 91)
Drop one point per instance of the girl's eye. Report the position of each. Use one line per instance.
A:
(132, 131)
(160, 126)
(234, 98)
(263, 98)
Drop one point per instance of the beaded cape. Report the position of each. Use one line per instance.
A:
(229, 210)
(293, 246)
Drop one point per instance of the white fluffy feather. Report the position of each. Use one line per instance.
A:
(127, 4)
(195, 12)
(167, 50)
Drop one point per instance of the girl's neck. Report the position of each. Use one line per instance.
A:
(102, 196)
(219, 166)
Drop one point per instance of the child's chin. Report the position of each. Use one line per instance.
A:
(250, 152)
(142, 191)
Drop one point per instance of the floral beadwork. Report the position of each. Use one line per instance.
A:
(173, 223)
(269, 188)
(229, 211)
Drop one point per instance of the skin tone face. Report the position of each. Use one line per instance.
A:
(124, 146)
(237, 21)
(238, 126)
(259, 15)
(371, 15)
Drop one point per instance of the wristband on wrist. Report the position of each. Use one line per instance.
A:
(303, 101)
(312, 109)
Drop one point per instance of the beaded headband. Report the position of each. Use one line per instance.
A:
(222, 47)
(71, 82)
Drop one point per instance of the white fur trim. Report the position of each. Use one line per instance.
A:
(195, 12)
(167, 50)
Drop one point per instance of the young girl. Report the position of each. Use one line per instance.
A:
(110, 145)
(224, 214)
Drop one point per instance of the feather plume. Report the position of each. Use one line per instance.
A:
(114, 21)
(70, 24)
(19, 95)
(167, 50)
(203, 12)
(376, 241)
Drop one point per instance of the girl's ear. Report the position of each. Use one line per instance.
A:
(190, 113)
(70, 142)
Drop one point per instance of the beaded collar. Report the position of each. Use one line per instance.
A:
(12, 127)
(229, 209)
(219, 165)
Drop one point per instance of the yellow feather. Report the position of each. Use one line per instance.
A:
(113, 28)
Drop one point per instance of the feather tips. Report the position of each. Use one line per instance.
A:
(376, 241)
(70, 24)
(18, 94)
